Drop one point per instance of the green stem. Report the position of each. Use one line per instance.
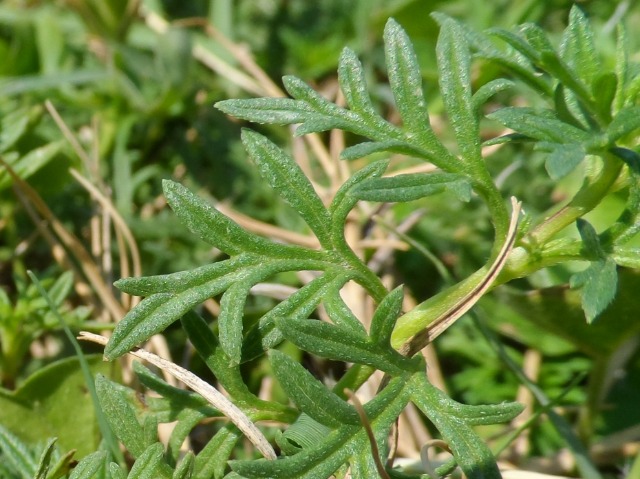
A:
(595, 187)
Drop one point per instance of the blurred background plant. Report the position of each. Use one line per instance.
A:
(101, 100)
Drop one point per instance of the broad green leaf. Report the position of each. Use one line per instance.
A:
(599, 283)
(285, 176)
(341, 344)
(405, 81)
(578, 48)
(299, 305)
(39, 407)
(183, 280)
(411, 187)
(310, 395)
(625, 121)
(185, 468)
(17, 454)
(384, 319)
(230, 320)
(471, 453)
(213, 227)
(562, 159)
(338, 446)
(539, 124)
(89, 466)
(454, 63)
(148, 464)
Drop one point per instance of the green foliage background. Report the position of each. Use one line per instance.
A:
(141, 104)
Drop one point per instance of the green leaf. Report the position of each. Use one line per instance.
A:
(369, 147)
(211, 461)
(411, 187)
(578, 48)
(338, 446)
(539, 124)
(604, 92)
(625, 121)
(148, 464)
(44, 464)
(213, 227)
(230, 320)
(299, 305)
(562, 159)
(277, 111)
(17, 454)
(486, 91)
(89, 466)
(183, 280)
(285, 176)
(630, 157)
(121, 415)
(384, 319)
(590, 240)
(304, 433)
(341, 344)
(599, 283)
(310, 395)
(30, 163)
(471, 453)
(340, 314)
(454, 62)
(185, 468)
(405, 81)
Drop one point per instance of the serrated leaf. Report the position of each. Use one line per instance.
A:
(338, 446)
(599, 283)
(577, 47)
(155, 313)
(384, 319)
(539, 124)
(411, 187)
(230, 320)
(590, 239)
(183, 280)
(276, 111)
(285, 176)
(89, 466)
(121, 415)
(471, 453)
(454, 62)
(341, 344)
(299, 305)
(562, 159)
(147, 465)
(405, 80)
(213, 227)
(310, 395)
(625, 121)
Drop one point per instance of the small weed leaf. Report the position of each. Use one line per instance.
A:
(630, 157)
(340, 313)
(402, 188)
(562, 159)
(599, 283)
(310, 395)
(384, 319)
(486, 91)
(369, 147)
(590, 240)
(116, 472)
(230, 320)
(625, 121)
(44, 464)
(578, 49)
(147, 466)
(185, 468)
(17, 453)
(89, 466)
